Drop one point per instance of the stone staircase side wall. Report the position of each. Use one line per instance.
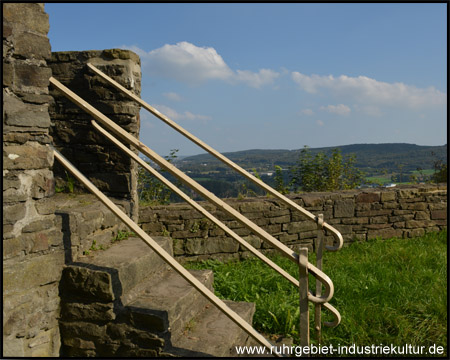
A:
(404, 211)
(106, 166)
(93, 321)
(33, 255)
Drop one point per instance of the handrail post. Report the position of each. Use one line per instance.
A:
(303, 292)
(319, 263)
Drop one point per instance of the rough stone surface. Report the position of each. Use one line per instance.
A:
(358, 214)
(115, 305)
(33, 254)
(100, 160)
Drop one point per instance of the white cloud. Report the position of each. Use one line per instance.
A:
(173, 96)
(369, 90)
(192, 64)
(320, 123)
(176, 116)
(307, 112)
(340, 109)
(256, 80)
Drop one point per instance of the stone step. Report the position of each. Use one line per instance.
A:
(118, 272)
(85, 223)
(212, 333)
(135, 262)
(168, 302)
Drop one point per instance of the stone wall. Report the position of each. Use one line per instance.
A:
(72, 132)
(404, 211)
(32, 255)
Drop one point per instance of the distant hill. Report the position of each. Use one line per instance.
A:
(369, 157)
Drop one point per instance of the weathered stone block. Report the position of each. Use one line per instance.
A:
(32, 273)
(82, 329)
(194, 246)
(45, 206)
(388, 196)
(355, 221)
(152, 228)
(19, 113)
(296, 227)
(27, 157)
(29, 76)
(220, 244)
(415, 232)
(30, 45)
(407, 193)
(421, 206)
(312, 201)
(379, 220)
(12, 247)
(82, 282)
(384, 233)
(13, 213)
(286, 238)
(422, 215)
(30, 15)
(43, 223)
(368, 197)
(178, 247)
(344, 208)
(439, 214)
(280, 219)
(411, 224)
(8, 77)
(75, 311)
(250, 207)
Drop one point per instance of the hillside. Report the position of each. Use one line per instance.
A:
(369, 157)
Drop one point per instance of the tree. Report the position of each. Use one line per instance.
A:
(150, 189)
(322, 173)
(440, 169)
(279, 181)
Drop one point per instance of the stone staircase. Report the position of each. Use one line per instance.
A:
(125, 301)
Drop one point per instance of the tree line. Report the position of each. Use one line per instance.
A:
(319, 171)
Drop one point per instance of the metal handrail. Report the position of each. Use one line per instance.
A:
(162, 253)
(321, 278)
(316, 299)
(286, 251)
(336, 234)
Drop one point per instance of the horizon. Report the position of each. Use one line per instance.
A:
(301, 74)
(312, 148)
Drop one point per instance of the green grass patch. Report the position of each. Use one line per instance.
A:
(388, 292)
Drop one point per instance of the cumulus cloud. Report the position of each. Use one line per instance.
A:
(340, 109)
(256, 80)
(193, 64)
(176, 116)
(369, 90)
(172, 96)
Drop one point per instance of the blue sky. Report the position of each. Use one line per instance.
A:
(276, 76)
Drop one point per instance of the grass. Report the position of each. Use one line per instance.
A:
(388, 292)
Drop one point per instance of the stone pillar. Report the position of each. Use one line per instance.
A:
(32, 255)
(72, 132)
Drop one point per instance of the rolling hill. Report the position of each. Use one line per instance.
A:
(369, 157)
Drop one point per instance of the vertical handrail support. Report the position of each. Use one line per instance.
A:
(303, 293)
(319, 265)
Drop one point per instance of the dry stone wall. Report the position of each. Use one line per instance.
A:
(106, 166)
(358, 214)
(33, 255)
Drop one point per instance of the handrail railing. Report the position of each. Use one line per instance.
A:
(321, 278)
(336, 234)
(326, 297)
(163, 254)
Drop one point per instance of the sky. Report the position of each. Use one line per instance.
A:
(276, 75)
